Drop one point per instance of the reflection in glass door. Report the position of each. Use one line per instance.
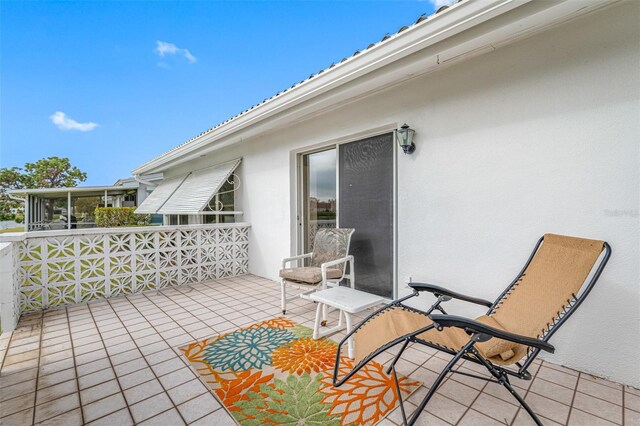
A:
(319, 194)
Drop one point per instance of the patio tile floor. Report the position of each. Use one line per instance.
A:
(116, 361)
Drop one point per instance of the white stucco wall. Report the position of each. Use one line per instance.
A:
(539, 136)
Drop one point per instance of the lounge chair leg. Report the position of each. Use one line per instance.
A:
(399, 392)
(438, 381)
(522, 402)
(397, 358)
(504, 380)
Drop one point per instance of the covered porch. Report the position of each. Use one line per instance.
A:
(47, 209)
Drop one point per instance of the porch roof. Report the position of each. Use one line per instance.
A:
(62, 192)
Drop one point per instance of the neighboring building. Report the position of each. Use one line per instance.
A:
(526, 116)
(72, 208)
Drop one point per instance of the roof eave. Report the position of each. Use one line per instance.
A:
(435, 29)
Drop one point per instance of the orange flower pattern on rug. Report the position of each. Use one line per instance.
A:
(234, 390)
(305, 356)
(367, 396)
(280, 323)
(293, 382)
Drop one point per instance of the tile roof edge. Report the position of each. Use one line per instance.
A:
(384, 40)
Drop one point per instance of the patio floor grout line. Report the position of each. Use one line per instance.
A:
(114, 373)
(136, 308)
(76, 379)
(208, 391)
(528, 390)
(472, 402)
(624, 398)
(35, 394)
(4, 355)
(163, 311)
(209, 309)
(149, 365)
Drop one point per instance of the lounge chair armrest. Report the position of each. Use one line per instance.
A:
(337, 262)
(471, 326)
(440, 291)
(298, 257)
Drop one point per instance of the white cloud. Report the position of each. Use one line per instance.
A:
(63, 122)
(439, 3)
(164, 48)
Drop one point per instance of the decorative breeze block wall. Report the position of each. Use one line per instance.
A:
(66, 269)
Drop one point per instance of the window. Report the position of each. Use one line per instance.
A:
(224, 200)
(178, 219)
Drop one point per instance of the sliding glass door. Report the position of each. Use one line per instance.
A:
(351, 185)
(366, 204)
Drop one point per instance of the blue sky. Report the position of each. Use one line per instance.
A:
(113, 84)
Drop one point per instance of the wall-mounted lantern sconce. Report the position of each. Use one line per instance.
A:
(405, 138)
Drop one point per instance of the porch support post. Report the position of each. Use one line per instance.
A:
(105, 198)
(26, 213)
(68, 209)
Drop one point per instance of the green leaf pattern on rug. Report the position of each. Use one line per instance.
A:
(301, 331)
(296, 401)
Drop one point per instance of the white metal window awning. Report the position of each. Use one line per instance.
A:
(198, 188)
(160, 195)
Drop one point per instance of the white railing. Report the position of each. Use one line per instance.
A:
(57, 268)
(9, 288)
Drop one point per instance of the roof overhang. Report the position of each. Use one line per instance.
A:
(85, 191)
(465, 30)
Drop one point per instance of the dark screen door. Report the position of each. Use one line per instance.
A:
(365, 175)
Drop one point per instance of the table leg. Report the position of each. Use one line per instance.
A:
(347, 318)
(316, 324)
(324, 315)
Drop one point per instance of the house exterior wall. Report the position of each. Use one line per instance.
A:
(539, 136)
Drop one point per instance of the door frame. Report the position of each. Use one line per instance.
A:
(299, 212)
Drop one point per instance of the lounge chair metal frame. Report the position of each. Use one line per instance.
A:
(478, 333)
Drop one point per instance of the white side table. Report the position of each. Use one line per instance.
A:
(348, 301)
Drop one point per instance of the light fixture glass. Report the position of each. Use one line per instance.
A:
(405, 138)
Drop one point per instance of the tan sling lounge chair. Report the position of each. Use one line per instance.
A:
(327, 265)
(556, 279)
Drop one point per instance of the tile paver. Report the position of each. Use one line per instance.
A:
(116, 362)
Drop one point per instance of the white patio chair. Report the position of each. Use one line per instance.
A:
(327, 266)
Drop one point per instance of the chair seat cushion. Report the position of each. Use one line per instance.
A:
(494, 348)
(309, 274)
(498, 351)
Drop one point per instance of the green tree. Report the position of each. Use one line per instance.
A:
(9, 179)
(51, 172)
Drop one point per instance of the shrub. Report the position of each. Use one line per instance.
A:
(109, 217)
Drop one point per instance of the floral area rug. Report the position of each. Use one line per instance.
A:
(273, 372)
